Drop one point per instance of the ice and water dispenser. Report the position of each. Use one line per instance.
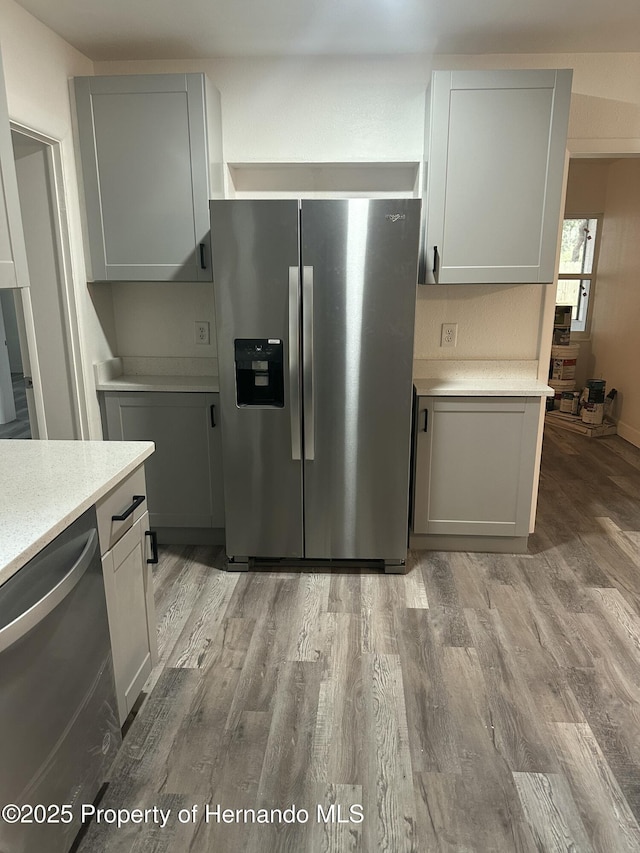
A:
(259, 372)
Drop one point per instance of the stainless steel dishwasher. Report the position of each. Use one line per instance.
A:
(59, 727)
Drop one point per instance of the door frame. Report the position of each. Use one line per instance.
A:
(68, 301)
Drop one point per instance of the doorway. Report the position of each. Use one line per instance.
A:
(602, 200)
(45, 361)
(14, 411)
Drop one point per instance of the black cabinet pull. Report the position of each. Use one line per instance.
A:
(426, 419)
(137, 500)
(203, 259)
(154, 545)
(436, 261)
(213, 414)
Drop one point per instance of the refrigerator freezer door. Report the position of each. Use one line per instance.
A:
(364, 256)
(254, 245)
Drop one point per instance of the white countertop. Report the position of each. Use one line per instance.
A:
(482, 386)
(110, 375)
(48, 484)
(159, 383)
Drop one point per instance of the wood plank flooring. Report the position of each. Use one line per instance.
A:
(480, 702)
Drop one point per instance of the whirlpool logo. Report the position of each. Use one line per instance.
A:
(394, 217)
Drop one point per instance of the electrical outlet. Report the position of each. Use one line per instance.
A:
(449, 336)
(202, 332)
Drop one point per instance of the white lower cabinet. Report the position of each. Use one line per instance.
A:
(132, 622)
(474, 465)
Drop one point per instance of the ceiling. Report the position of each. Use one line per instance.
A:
(199, 29)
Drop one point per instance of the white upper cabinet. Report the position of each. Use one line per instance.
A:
(145, 163)
(494, 150)
(13, 259)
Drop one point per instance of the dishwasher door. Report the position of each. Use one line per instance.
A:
(59, 727)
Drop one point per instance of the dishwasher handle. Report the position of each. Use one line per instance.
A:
(28, 620)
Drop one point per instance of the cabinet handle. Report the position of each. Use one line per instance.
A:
(203, 259)
(426, 419)
(436, 261)
(137, 500)
(213, 414)
(154, 545)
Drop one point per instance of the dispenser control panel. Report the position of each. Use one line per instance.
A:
(259, 372)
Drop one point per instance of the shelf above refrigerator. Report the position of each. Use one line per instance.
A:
(322, 180)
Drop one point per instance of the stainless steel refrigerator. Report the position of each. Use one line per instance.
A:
(315, 304)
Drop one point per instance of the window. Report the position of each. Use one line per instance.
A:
(577, 273)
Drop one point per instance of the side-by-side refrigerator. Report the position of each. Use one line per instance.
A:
(315, 304)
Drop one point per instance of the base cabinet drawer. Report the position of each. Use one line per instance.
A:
(474, 465)
(130, 607)
(119, 510)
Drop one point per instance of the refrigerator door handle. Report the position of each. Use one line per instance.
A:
(294, 366)
(307, 362)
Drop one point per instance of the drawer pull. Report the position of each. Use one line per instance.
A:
(154, 545)
(137, 500)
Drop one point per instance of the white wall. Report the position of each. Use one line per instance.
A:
(336, 109)
(318, 109)
(315, 109)
(587, 186)
(157, 320)
(37, 66)
(332, 108)
(616, 315)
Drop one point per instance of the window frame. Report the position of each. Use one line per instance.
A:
(584, 334)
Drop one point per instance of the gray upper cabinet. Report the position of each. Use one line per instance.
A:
(184, 475)
(13, 259)
(145, 166)
(494, 150)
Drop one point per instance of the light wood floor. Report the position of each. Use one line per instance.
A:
(478, 703)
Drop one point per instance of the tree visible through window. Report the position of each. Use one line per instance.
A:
(576, 279)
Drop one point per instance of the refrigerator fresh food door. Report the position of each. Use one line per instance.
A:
(359, 271)
(255, 246)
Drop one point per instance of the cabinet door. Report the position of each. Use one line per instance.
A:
(130, 606)
(475, 460)
(143, 146)
(495, 148)
(13, 259)
(184, 475)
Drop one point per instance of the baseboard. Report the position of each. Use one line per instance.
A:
(488, 544)
(190, 535)
(629, 433)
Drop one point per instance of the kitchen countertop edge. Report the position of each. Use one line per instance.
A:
(196, 384)
(481, 387)
(71, 509)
